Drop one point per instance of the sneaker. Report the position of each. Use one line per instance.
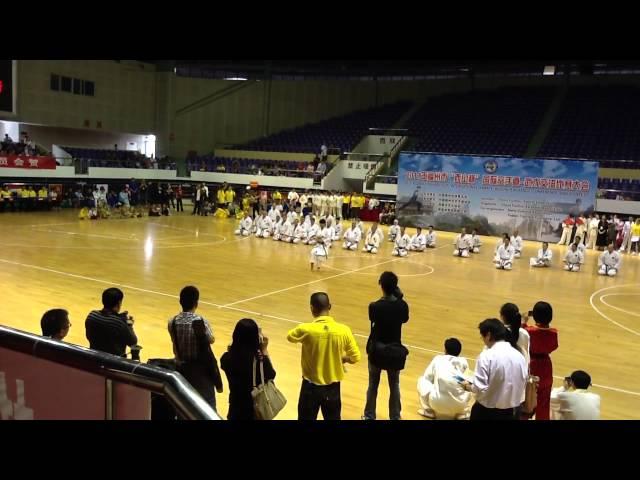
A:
(364, 417)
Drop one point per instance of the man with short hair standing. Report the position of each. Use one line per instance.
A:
(326, 346)
(387, 316)
(108, 330)
(186, 346)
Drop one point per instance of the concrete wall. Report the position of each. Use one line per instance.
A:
(124, 100)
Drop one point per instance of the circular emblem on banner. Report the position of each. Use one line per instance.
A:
(490, 166)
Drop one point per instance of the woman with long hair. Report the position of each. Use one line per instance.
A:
(544, 340)
(518, 336)
(247, 350)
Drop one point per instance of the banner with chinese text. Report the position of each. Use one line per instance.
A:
(25, 161)
(493, 194)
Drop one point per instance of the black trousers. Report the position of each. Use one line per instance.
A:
(202, 382)
(480, 412)
(345, 211)
(319, 397)
(179, 206)
(197, 207)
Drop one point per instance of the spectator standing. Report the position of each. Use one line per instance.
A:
(178, 193)
(544, 340)
(387, 316)
(109, 330)
(500, 377)
(241, 364)
(326, 346)
(187, 346)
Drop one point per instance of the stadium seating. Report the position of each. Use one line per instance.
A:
(599, 123)
(211, 163)
(481, 122)
(116, 159)
(339, 134)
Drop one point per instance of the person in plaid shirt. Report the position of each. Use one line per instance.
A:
(185, 345)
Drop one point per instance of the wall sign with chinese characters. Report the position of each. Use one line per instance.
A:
(24, 161)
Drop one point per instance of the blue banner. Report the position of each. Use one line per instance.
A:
(494, 194)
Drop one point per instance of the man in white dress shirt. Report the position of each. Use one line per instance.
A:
(572, 401)
(441, 396)
(501, 375)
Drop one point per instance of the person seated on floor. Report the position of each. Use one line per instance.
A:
(572, 401)
(441, 395)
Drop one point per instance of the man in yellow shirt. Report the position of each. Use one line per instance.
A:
(43, 197)
(326, 346)
(221, 197)
(5, 198)
(277, 196)
(229, 196)
(31, 198)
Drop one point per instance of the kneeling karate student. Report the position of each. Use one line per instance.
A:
(461, 244)
(401, 247)
(352, 237)
(544, 257)
(609, 262)
(504, 256)
(573, 259)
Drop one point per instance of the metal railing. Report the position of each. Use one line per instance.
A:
(180, 394)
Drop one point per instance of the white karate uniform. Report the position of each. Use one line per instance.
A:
(475, 243)
(338, 231)
(275, 229)
(592, 233)
(331, 232)
(299, 234)
(281, 230)
(312, 232)
(352, 238)
(245, 226)
(291, 216)
(401, 246)
(394, 230)
(339, 202)
(418, 243)
(303, 200)
(609, 263)
(543, 259)
(517, 245)
(372, 242)
(272, 214)
(439, 392)
(320, 251)
(461, 244)
(504, 257)
(573, 260)
(264, 227)
(431, 240)
(578, 404)
(333, 202)
(293, 197)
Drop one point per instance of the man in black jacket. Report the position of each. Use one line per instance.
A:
(108, 330)
(384, 346)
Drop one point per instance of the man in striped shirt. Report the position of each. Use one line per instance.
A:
(108, 330)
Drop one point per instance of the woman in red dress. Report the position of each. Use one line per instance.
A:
(544, 340)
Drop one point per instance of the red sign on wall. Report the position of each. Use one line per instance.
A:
(25, 161)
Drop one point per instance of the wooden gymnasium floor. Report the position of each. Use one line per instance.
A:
(53, 259)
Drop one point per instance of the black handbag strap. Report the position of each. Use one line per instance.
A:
(261, 372)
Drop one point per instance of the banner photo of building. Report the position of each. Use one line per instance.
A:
(495, 195)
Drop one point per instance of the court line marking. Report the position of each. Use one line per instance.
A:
(398, 274)
(602, 299)
(605, 316)
(317, 281)
(111, 237)
(250, 312)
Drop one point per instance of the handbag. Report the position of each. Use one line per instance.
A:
(268, 401)
(531, 395)
(386, 356)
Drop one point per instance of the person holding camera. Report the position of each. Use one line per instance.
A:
(109, 330)
(247, 350)
(572, 401)
(384, 346)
